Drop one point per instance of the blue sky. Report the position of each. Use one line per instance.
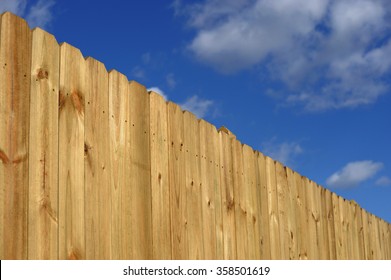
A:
(305, 82)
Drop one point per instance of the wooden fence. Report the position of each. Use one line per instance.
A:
(95, 167)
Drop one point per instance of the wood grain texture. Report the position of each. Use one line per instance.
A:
(43, 159)
(240, 205)
(313, 219)
(15, 60)
(73, 77)
(292, 214)
(161, 222)
(330, 224)
(191, 149)
(140, 172)
(262, 195)
(119, 125)
(97, 162)
(282, 202)
(227, 193)
(302, 217)
(250, 203)
(274, 223)
(208, 196)
(177, 171)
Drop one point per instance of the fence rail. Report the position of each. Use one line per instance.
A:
(93, 166)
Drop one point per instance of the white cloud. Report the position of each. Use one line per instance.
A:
(383, 181)
(13, 6)
(138, 72)
(40, 13)
(197, 106)
(170, 79)
(284, 152)
(328, 54)
(354, 173)
(36, 14)
(159, 91)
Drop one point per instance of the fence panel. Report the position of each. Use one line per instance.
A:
(191, 149)
(159, 178)
(15, 76)
(43, 157)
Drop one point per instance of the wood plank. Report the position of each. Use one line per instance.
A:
(43, 159)
(73, 76)
(271, 184)
(313, 219)
(264, 228)
(354, 229)
(97, 162)
(227, 193)
(15, 60)
(325, 242)
(208, 198)
(193, 186)
(282, 199)
(177, 171)
(119, 124)
(240, 205)
(250, 200)
(302, 217)
(320, 224)
(338, 228)
(365, 226)
(140, 173)
(161, 222)
(214, 152)
(292, 214)
(330, 225)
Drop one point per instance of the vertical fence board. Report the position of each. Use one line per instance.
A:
(320, 223)
(177, 177)
(330, 225)
(302, 217)
(43, 156)
(292, 214)
(240, 210)
(325, 242)
(282, 199)
(73, 77)
(159, 178)
(97, 162)
(119, 125)
(15, 59)
(215, 180)
(193, 186)
(262, 195)
(274, 224)
(140, 173)
(365, 229)
(251, 208)
(354, 232)
(227, 195)
(208, 194)
(313, 252)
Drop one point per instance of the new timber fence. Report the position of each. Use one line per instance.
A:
(93, 166)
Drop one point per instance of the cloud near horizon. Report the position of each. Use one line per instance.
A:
(38, 13)
(284, 152)
(354, 173)
(327, 54)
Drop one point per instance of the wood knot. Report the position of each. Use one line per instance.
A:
(230, 204)
(78, 102)
(42, 74)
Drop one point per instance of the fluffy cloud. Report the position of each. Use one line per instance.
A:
(383, 181)
(328, 54)
(284, 152)
(37, 14)
(197, 106)
(354, 173)
(159, 91)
